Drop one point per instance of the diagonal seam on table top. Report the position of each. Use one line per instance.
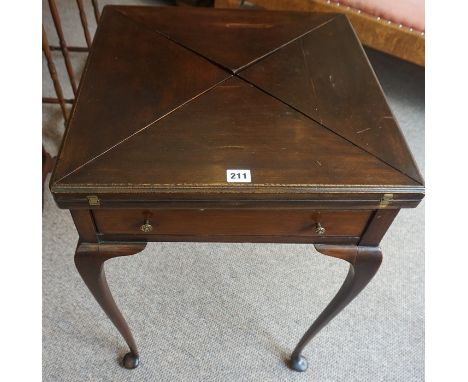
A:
(142, 129)
(263, 57)
(94, 157)
(232, 72)
(343, 140)
(258, 59)
(327, 128)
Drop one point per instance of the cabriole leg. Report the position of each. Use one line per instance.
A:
(364, 263)
(89, 260)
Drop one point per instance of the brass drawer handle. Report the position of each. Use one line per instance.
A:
(147, 227)
(319, 230)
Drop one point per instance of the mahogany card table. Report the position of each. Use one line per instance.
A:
(231, 126)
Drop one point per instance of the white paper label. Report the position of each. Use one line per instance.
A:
(238, 176)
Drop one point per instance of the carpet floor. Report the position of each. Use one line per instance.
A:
(234, 312)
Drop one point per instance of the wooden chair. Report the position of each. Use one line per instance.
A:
(59, 99)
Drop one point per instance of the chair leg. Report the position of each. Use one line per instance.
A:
(364, 263)
(48, 164)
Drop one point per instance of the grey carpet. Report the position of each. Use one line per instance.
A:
(233, 312)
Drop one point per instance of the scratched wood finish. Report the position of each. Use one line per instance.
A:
(343, 95)
(182, 111)
(231, 40)
(183, 95)
(278, 144)
(375, 32)
(147, 82)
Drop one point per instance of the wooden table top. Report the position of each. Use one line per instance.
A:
(172, 98)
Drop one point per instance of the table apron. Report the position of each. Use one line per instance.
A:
(212, 223)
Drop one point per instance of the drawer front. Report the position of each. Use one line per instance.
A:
(232, 222)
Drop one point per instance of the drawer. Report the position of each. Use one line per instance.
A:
(232, 222)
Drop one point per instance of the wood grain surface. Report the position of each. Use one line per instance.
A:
(289, 96)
